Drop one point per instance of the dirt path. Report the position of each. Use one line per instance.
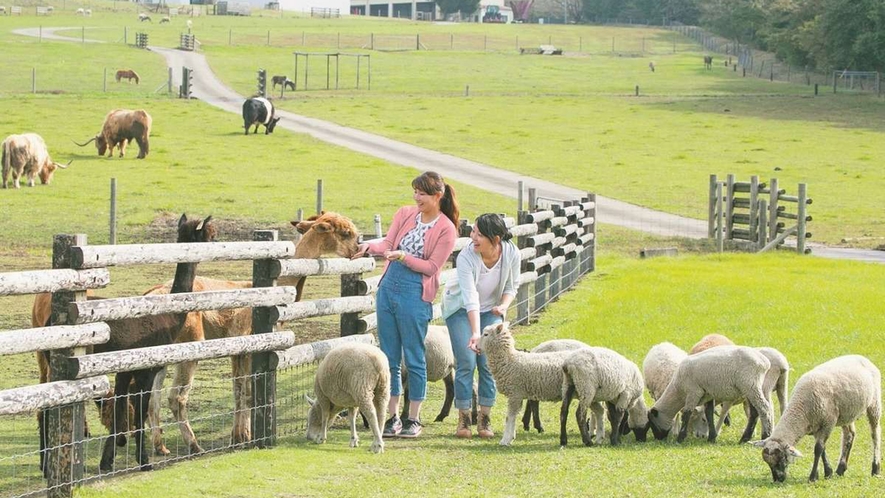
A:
(208, 88)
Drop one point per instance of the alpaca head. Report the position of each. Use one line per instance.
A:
(196, 230)
(326, 233)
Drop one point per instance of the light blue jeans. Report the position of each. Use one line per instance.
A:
(402, 327)
(466, 361)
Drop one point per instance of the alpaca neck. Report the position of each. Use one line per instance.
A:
(185, 273)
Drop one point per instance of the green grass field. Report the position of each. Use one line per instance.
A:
(812, 310)
(570, 119)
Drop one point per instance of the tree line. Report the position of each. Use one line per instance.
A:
(820, 34)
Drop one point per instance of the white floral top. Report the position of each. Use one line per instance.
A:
(413, 242)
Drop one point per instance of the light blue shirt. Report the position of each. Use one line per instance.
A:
(462, 292)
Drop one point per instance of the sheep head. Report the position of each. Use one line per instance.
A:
(497, 334)
(314, 422)
(778, 455)
(660, 425)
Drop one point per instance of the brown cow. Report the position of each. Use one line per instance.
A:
(27, 155)
(708, 62)
(128, 74)
(120, 126)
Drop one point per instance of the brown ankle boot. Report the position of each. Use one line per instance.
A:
(463, 430)
(484, 426)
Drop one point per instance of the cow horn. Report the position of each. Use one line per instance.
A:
(63, 166)
(85, 143)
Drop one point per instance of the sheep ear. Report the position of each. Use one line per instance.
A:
(760, 443)
(310, 401)
(793, 452)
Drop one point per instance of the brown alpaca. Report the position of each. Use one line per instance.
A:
(326, 233)
(136, 333)
(710, 341)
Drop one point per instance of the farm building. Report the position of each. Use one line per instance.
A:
(494, 11)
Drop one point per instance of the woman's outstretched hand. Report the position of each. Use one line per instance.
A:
(363, 249)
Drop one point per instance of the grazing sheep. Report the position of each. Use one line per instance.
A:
(165, 19)
(777, 378)
(353, 376)
(710, 341)
(440, 366)
(658, 368)
(835, 393)
(532, 406)
(602, 375)
(520, 375)
(142, 17)
(724, 373)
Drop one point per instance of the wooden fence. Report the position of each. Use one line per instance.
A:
(557, 245)
(739, 211)
(77, 323)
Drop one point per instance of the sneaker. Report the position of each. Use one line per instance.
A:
(411, 428)
(392, 427)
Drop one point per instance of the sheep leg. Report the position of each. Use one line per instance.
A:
(583, 424)
(527, 414)
(380, 400)
(615, 416)
(242, 373)
(599, 418)
(563, 414)
(723, 414)
(819, 451)
(751, 425)
(874, 413)
(351, 419)
(848, 433)
(683, 431)
(449, 382)
(712, 432)
(370, 410)
(514, 405)
(764, 411)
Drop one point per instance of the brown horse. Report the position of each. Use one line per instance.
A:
(708, 62)
(128, 74)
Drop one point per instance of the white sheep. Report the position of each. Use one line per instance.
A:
(835, 393)
(724, 373)
(440, 366)
(88, 12)
(80, 12)
(352, 376)
(658, 368)
(520, 375)
(600, 375)
(776, 379)
(532, 407)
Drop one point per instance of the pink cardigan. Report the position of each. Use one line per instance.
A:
(439, 242)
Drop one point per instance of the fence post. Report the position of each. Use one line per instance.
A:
(377, 221)
(773, 198)
(112, 239)
(520, 186)
(711, 211)
(522, 292)
(63, 426)
(555, 274)
(264, 376)
(319, 196)
(540, 284)
(350, 287)
(763, 225)
(729, 206)
(592, 213)
(801, 214)
(754, 194)
(719, 208)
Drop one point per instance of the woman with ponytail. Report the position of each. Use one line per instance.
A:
(418, 244)
(488, 274)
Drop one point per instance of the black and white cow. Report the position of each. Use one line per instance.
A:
(259, 110)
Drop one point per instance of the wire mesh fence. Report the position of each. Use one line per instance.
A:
(765, 65)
